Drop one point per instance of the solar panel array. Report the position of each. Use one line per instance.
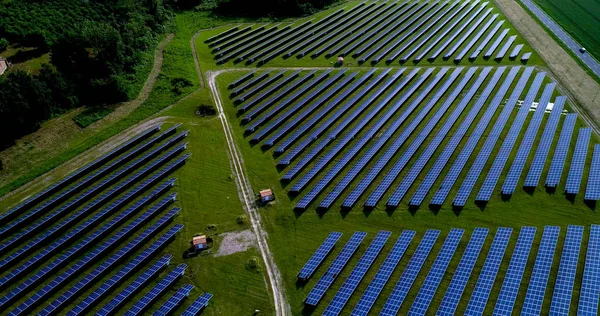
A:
(590, 283)
(560, 153)
(151, 296)
(578, 161)
(318, 291)
(592, 191)
(514, 274)
(175, 300)
(541, 270)
(320, 254)
(368, 31)
(63, 245)
(563, 288)
(198, 305)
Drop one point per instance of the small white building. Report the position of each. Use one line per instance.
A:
(3, 65)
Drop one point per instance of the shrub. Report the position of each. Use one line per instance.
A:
(3, 44)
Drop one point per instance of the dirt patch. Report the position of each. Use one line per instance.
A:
(235, 242)
(581, 87)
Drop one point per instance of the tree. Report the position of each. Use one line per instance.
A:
(3, 44)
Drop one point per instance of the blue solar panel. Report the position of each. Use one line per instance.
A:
(590, 284)
(198, 305)
(467, 34)
(302, 129)
(419, 165)
(475, 39)
(462, 273)
(106, 266)
(516, 51)
(438, 269)
(446, 30)
(485, 193)
(506, 46)
(174, 301)
(315, 295)
(539, 160)
(400, 140)
(353, 172)
(592, 192)
(341, 297)
(514, 274)
(541, 270)
(393, 173)
(348, 136)
(89, 224)
(323, 126)
(317, 258)
(490, 142)
(443, 158)
(241, 79)
(258, 98)
(563, 288)
(456, 32)
(486, 40)
(467, 149)
(105, 288)
(81, 198)
(514, 173)
(383, 274)
(560, 153)
(439, 27)
(496, 43)
(268, 83)
(276, 99)
(395, 300)
(75, 269)
(578, 161)
(148, 275)
(254, 81)
(70, 178)
(488, 273)
(149, 298)
(282, 117)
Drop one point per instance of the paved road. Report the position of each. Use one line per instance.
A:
(563, 36)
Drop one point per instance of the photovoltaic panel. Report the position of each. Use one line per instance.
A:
(221, 35)
(198, 305)
(317, 293)
(514, 173)
(150, 297)
(419, 165)
(467, 149)
(590, 284)
(395, 300)
(438, 269)
(250, 84)
(563, 288)
(578, 161)
(467, 34)
(506, 46)
(541, 270)
(514, 274)
(486, 40)
(539, 160)
(592, 192)
(490, 142)
(462, 273)
(488, 273)
(174, 301)
(280, 84)
(475, 38)
(317, 258)
(526, 56)
(91, 278)
(241, 79)
(496, 43)
(444, 157)
(349, 136)
(560, 153)
(515, 51)
(135, 286)
(383, 274)
(485, 193)
(341, 297)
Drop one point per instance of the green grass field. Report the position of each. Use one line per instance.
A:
(581, 19)
(210, 202)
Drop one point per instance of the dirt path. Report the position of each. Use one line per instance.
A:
(581, 87)
(247, 197)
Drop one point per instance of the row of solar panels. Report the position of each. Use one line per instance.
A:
(404, 94)
(373, 30)
(148, 168)
(589, 291)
